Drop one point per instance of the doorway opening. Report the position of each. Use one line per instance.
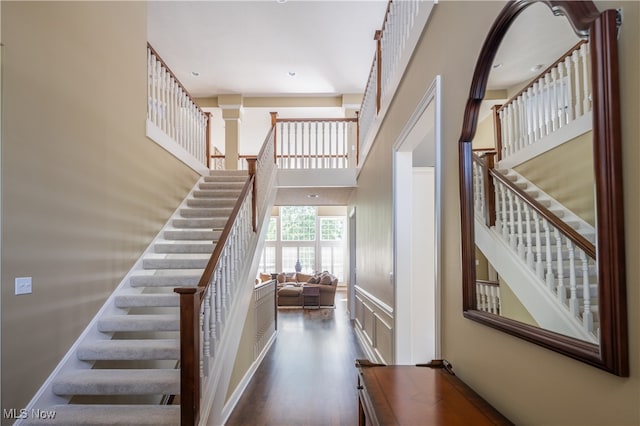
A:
(417, 183)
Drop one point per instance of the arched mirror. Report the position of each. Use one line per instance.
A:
(541, 183)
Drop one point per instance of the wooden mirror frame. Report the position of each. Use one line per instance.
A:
(601, 28)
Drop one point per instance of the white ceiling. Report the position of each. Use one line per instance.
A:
(249, 47)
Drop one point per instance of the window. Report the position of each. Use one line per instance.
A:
(272, 231)
(331, 229)
(268, 260)
(333, 261)
(298, 223)
(305, 255)
(300, 234)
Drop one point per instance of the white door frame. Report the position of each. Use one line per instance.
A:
(353, 273)
(414, 320)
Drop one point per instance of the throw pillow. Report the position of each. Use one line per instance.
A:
(326, 279)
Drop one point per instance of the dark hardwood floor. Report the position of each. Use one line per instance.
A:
(308, 376)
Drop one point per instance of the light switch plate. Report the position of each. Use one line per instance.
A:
(23, 285)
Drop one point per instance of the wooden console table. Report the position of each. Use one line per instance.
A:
(428, 395)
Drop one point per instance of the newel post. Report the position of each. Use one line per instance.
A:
(208, 140)
(378, 38)
(254, 203)
(357, 138)
(497, 130)
(489, 189)
(274, 120)
(189, 355)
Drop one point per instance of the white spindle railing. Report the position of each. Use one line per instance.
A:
(559, 96)
(172, 110)
(488, 296)
(265, 318)
(315, 143)
(400, 31)
(558, 260)
(220, 284)
(479, 199)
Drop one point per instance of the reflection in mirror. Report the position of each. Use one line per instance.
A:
(533, 147)
(540, 183)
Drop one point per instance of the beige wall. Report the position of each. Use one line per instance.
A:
(529, 384)
(566, 174)
(83, 190)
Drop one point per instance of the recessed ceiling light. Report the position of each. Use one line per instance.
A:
(537, 67)
(313, 195)
(496, 66)
(281, 1)
(195, 73)
(292, 73)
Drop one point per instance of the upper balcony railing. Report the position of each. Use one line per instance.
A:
(173, 111)
(315, 143)
(556, 98)
(401, 28)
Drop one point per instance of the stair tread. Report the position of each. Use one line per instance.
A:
(118, 382)
(134, 349)
(147, 300)
(147, 322)
(165, 281)
(99, 415)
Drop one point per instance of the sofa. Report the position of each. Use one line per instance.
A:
(291, 286)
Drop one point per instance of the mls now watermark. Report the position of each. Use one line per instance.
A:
(22, 414)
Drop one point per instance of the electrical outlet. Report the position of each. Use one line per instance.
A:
(23, 285)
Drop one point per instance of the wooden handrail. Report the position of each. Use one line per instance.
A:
(536, 78)
(190, 304)
(490, 283)
(164, 64)
(316, 120)
(567, 230)
(314, 156)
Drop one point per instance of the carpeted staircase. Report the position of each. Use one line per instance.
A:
(583, 228)
(124, 370)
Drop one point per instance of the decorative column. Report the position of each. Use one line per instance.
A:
(351, 104)
(231, 106)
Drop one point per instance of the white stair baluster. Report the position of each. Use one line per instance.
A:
(562, 95)
(512, 223)
(575, 57)
(586, 78)
(504, 209)
(539, 264)
(560, 287)
(587, 315)
(529, 248)
(520, 228)
(571, 112)
(531, 118)
(554, 94)
(547, 105)
(549, 278)
(573, 292)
